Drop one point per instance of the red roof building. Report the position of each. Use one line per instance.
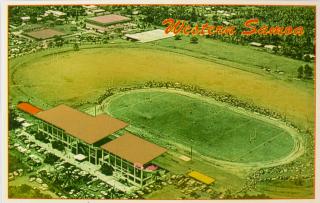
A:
(85, 127)
(28, 108)
(108, 20)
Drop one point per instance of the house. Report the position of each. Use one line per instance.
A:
(25, 18)
(90, 7)
(98, 12)
(312, 56)
(57, 14)
(226, 23)
(255, 44)
(269, 47)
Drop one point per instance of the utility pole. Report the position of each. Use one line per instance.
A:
(193, 125)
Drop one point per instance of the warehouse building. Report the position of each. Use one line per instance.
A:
(149, 36)
(101, 23)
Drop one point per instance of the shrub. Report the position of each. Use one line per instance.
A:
(177, 37)
(194, 40)
(13, 124)
(106, 170)
(57, 145)
(41, 137)
(50, 158)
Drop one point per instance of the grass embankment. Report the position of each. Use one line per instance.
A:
(76, 77)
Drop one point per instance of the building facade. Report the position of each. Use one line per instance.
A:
(97, 140)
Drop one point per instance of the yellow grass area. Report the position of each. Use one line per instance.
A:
(201, 177)
(85, 74)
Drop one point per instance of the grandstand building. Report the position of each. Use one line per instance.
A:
(80, 132)
(130, 157)
(98, 139)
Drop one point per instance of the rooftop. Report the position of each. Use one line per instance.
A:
(149, 36)
(88, 128)
(56, 13)
(255, 44)
(28, 108)
(134, 149)
(44, 33)
(90, 6)
(201, 177)
(109, 19)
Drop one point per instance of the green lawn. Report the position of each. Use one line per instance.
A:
(238, 56)
(212, 130)
(66, 28)
(16, 161)
(26, 192)
(127, 64)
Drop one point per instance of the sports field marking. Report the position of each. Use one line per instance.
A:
(156, 106)
(130, 106)
(258, 146)
(172, 109)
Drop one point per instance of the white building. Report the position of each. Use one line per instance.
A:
(57, 14)
(255, 44)
(25, 18)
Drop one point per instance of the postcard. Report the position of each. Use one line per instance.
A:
(160, 102)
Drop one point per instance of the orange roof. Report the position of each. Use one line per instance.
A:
(134, 149)
(88, 128)
(28, 108)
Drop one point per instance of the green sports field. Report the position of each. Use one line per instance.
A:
(212, 129)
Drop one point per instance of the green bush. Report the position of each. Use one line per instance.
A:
(106, 170)
(194, 40)
(51, 158)
(13, 124)
(26, 192)
(41, 137)
(57, 145)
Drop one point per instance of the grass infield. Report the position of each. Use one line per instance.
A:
(212, 130)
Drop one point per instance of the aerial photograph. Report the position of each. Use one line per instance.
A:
(161, 102)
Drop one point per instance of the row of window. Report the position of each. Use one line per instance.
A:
(84, 149)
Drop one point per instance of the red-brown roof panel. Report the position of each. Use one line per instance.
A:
(88, 128)
(28, 108)
(134, 149)
(109, 19)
